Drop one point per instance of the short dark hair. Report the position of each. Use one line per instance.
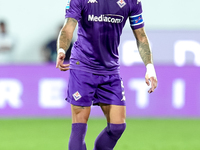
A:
(2, 23)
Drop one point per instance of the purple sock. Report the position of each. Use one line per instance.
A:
(76, 141)
(108, 138)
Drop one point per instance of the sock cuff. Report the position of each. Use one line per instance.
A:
(117, 125)
(79, 124)
(79, 127)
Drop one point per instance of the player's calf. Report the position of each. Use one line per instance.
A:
(76, 141)
(108, 138)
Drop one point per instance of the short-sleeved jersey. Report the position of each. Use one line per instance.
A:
(100, 24)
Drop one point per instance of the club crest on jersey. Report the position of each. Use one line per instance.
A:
(121, 3)
(92, 1)
(77, 95)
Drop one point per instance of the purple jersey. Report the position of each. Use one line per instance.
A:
(100, 24)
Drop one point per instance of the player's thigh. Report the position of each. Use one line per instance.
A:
(110, 91)
(115, 114)
(80, 114)
(81, 88)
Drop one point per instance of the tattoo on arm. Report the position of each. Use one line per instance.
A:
(143, 46)
(66, 34)
(64, 41)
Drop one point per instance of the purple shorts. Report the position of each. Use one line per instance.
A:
(85, 89)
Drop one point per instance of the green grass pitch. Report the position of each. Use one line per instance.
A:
(140, 134)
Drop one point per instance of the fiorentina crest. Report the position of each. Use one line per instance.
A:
(77, 95)
(121, 3)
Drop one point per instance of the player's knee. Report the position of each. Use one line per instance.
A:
(81, 119)
(116, 130)
(80, 114)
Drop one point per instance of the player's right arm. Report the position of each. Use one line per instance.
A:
(63, 42)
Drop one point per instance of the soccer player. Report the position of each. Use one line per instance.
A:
(94, 64)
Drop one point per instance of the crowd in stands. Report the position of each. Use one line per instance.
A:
(7, 44)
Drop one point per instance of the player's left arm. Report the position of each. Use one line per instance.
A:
(146, 55)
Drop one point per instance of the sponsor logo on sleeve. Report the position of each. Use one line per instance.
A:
(77, 95)
(121, 3)
(68, 4)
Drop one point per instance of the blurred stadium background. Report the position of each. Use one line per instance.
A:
(34, 115)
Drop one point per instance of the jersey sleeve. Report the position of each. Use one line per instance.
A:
(73, 9)
(135, 16)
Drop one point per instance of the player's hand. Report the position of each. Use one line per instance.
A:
(60, 61)
(151, 81)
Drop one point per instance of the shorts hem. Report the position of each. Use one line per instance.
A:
(119, 104)
(77, 103)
